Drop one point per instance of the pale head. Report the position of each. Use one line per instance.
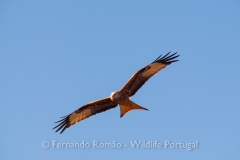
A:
(115, 94)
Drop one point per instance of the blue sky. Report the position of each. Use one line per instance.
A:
(56, 56)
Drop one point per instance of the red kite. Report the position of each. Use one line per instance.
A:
(120, 97)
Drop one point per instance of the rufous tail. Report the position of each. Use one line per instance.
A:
(130, 106)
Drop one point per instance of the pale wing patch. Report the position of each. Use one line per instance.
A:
(154, 68)
(76, 117)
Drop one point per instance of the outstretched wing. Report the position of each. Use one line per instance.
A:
(140, 77)
(84, 112)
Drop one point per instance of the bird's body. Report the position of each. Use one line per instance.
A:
(120, 97)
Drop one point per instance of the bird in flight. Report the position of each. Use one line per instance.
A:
(120, 97)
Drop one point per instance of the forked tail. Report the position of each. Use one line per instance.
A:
(130, 106)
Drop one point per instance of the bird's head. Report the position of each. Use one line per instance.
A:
(115, 94)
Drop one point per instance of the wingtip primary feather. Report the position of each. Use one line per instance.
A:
(168, 59)
(64, 129)
(166, 55)
(63, 124)
(157, 58)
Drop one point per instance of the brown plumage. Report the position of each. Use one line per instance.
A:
(120, 97)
